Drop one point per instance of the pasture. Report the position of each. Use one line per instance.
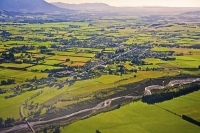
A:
(20, 76)
(63, 58)
(14, 65)
(10, 107)
(42, 67)
(135, 117)
(185, 105)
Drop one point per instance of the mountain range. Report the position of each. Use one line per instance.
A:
(43, 6)
(84, 6)
(28, 6)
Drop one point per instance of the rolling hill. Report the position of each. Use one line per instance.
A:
(83, 6)
(28, 6)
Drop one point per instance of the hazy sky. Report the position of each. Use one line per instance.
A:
(172, 3)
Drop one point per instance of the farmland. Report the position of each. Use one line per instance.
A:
(186, 105)
(135, 117)
(52, 69)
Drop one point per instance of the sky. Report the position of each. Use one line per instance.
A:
(170, 3)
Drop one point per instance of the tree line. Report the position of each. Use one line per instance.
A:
(9, 122)
(163, 96)
(184, 117)
(8, 82)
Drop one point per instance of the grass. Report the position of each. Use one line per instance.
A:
(52, 62)
(186, 51)
(160, 49)
(185, 105)
(105, 82)
(2, 50)
(42, 67)
(24, 65)
(197, 72)
(19, 76)
(64, 53)
(51, 95)
(83, 55)
(10, 107)
(38, 55)
(48, 93)
(74, 63)
(135, 117)
(63, 58)
(187, 61)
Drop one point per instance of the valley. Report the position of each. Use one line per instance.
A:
(89, 71)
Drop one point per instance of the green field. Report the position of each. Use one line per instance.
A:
(42, 67)
(161, 49)
(20, 76)
(24, 65)
(187, 61)
(185, 105)
(10, 107)
(63, 58)
(135, 117)
(52, 62)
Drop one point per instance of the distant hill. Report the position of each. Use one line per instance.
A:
(147, 10)
(84, 6)
(28, 6)
(197, 13)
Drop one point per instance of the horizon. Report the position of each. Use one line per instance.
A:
(135, 3)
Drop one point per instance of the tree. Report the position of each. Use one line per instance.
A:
(1, 123)
(110, 71)
(67, 60)
(2, 91)
(9, 122)
(35, 78)
(199, 67)
(57, 130)
(97, 131)
(135, 70)
(45, 130)
(3, 82)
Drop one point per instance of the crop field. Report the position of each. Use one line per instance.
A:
(24, 65)
(37, 55)
(52, 62)
(187, 61)
(74, 63)
(20, 76)
(135, 117)
(186, 51)
(63, 58)
(12, 105)
(42, 67)
(185, 105)
(161, 49)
